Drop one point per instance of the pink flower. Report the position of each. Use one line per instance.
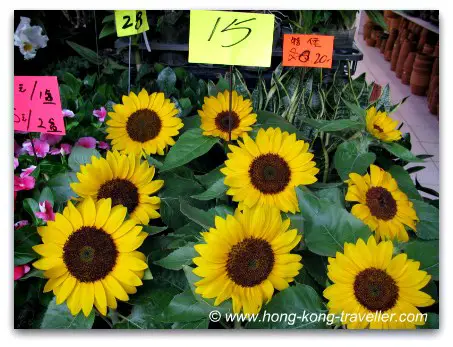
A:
(68, 113)
(16, 163)
(23, 183)
(28, 171)
(41, 147)
(64, 149)
(87, 142)
(20, 271)
(20, 224)
(51, 139)
(100, 114)
(45, 211)
(103, 145)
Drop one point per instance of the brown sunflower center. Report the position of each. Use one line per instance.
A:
(90, 254)
(378, 128)
(143, 125)
(250, 262)
(381, 203)
(270, 173)
(375, 289)
(222, 121)
(122, 192)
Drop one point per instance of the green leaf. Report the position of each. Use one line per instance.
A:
(166, 81)
(400, 152)
(348, 158)
(271, 120)
(31, 206)
(328, 227)
(81, 156)
(334, 195)
(154, 230)
(46, 194)
(427, 253)
(59, 317)
(192, 144)
(202, 218)
(86, 53)
(217, 190)
(298, 302)
(24, 239)
(432, 322)
(405, 182)
(60, 185)
(316, 266)
(175, 260)
(223, 308)
(72, 82)
(333, 125)
(199, 324)
(211, 177)
(186, 308)
(212, 89)
(107, 30)
(428, 224)
(357, 110)
(145, 316)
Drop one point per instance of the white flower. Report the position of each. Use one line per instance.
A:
(29, 38)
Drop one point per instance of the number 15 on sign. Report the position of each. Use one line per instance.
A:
(231, 38)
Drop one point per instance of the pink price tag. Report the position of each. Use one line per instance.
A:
(37, 105)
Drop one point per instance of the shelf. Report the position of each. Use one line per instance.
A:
(419, 21)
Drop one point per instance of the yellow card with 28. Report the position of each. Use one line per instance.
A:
(231, 38)
(130, 22)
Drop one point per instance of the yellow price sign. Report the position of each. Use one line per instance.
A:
(130, 22)
(231, 38)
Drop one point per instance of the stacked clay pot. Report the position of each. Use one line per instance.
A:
(407, 68)
(395, 53)
(390, 43)
(407, 47)
(421, 74)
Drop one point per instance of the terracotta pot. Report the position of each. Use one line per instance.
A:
(389, 45)
(433, 83)
(433, 95)
(421, 74)
(367, 29)
(428, 49)
(423, 38)
(434, 104)
(395, 54)
(436, 50)
(371, 42)
(435, 69)
(406, 48)
(407, 68)
(383, 43)
(394, 23)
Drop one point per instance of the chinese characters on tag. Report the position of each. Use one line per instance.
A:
(307, 50)
(37, 106)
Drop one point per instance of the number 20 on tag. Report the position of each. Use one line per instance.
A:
(130, 22)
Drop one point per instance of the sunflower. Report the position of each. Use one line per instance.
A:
(125, 180)
(215, 116)
(368, 280)
(143, 123)
(266, 171)
(382, 206)
(382, 126)
(89, 256)
(245, 257)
